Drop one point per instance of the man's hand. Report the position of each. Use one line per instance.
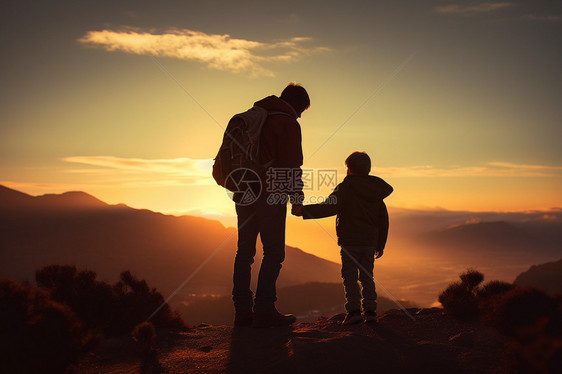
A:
(296, 210)
(379, 253)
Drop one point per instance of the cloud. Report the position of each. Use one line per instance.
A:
(219, 52)
(139, 172)
(529, 10)
(291, 19)
(198, 171)
(491, 169)
(471, 9)
(545, 17)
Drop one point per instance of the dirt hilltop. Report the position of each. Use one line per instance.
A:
(432, 343)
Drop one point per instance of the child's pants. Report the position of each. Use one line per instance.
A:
(358, 267)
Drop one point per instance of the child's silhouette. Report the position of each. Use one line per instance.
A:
(362, 229)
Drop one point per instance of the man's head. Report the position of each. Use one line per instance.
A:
(358, 163)
(297, 97)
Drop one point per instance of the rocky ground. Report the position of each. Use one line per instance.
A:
(432, 342)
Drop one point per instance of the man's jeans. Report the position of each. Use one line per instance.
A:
(269, 222)
(360, 267)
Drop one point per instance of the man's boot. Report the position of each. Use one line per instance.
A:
(243, 317)
(273, 319)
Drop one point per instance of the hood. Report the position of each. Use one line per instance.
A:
(274, 104)
(368, 187)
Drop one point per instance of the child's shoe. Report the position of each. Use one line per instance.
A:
(352, 317)
(370, 316)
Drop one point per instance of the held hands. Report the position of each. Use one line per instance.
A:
(296, 210)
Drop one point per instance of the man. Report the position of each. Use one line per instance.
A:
(281, 148)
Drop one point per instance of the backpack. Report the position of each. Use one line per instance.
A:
(239, 151)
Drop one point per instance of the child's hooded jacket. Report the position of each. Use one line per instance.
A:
(362, 217)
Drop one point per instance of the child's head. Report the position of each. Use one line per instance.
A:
(358, 163)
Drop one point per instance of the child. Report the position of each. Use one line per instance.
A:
(362, 229)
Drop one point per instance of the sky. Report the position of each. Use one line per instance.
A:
(456, 102)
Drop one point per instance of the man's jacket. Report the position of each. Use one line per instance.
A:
(362, 217)
(281, 142)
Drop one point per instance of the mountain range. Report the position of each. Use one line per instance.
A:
(194, 255)
(547, 277)
(168, 251)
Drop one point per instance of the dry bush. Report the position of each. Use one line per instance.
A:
(471, 279)
(38, 334)
(529, 317)
(533, 320)
(137, 302)
(145, 335)
(522, 312)
(459, 302)
(93, 301)
(114, 310)
(494, 288)
(459, 299)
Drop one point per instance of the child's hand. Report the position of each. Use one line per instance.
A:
(296, 210)
(378, 253)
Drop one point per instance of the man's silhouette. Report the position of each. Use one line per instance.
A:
(281, 148)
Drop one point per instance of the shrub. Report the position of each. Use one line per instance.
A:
(522, 311)
(494, 288)
(471, 279)
(113, 309)
(459, 299)
(459, 302)
(93, 301)
(145, 335)
(530, 317)
(38, 334)
(137, 302)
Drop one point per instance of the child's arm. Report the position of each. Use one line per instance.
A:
(331, 206)
(383, 229)
(385, 189)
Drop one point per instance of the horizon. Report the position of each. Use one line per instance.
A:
(210, 214)
(317, 237)
(426, 250)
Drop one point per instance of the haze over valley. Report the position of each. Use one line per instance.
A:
(194, 255)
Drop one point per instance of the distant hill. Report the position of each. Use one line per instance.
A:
(426, 249)
(18, 202)
(76, 228)
(500, 240)
(547, 277)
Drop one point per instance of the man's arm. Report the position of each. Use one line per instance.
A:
(289, 151)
